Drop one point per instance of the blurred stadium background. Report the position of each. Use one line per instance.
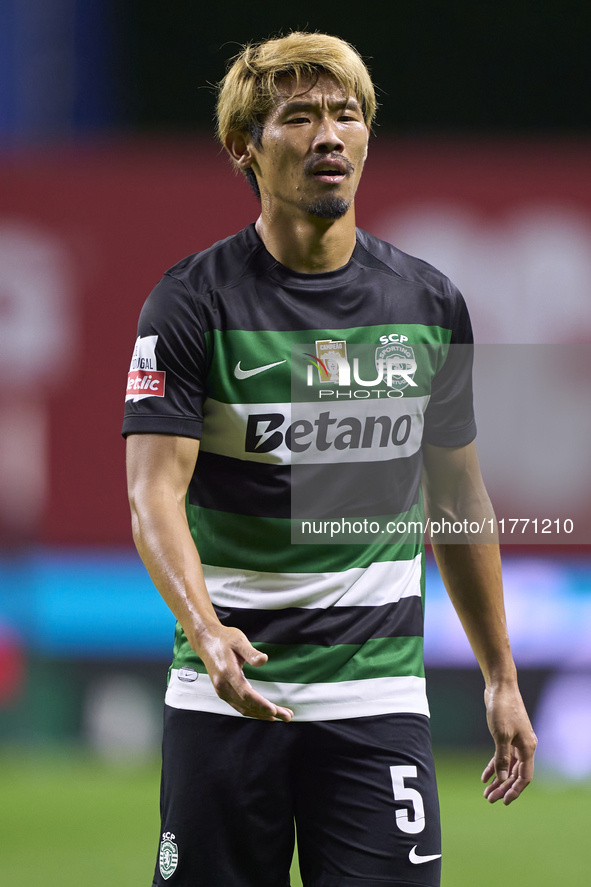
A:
(109, 174)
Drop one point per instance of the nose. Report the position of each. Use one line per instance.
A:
(327, 138)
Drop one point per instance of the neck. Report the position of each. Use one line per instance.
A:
(305, 243)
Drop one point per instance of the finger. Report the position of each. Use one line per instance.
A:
(488, 770)
(250, 654)
(491, 791)
(279, 712)
(255, 705)
(497, 790)
(502, 760)
(514, 792)
(526, 761)
(491, 787)
(251, 709)
(520, 776)
(257, 658)
(231, 686)
(508, 790)
(245, 651)
(523, 778)
(263, 710)
(488, 773)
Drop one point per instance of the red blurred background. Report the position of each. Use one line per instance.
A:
(86, 233)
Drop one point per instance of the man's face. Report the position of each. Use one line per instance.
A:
(314, 144)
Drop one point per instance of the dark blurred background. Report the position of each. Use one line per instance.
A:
(86, 66)
(109, 174)
(440, 67)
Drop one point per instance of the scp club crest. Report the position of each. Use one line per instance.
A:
(403, 358)
(169, 856)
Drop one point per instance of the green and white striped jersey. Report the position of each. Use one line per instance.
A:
(311, 395)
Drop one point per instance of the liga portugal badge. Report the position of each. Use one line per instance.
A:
(144, 380)
(169, 856)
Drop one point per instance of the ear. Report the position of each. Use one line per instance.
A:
(239, 147)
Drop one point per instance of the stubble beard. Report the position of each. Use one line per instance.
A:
(331, 206)
(328, 207)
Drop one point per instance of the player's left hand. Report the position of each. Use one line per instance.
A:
(512, 765)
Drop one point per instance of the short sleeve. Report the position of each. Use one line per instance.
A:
(166, 380)
(449, 417)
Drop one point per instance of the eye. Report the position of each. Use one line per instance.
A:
(299, 120)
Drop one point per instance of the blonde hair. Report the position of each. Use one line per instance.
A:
(248, 91)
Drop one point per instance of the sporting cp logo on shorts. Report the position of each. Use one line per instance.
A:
(169, 856)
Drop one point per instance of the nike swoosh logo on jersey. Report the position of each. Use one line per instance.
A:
(418, 860)
(246, 374)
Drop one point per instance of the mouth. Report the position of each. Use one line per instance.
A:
(332, 172)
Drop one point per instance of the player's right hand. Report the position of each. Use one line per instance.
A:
(224, 651)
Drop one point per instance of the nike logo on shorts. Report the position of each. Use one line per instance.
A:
(418, 860)
(246, 374)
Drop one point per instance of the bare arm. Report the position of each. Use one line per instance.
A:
(159, 468)
(454, 490)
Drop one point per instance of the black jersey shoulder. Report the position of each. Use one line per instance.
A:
(433, 294)
(224, 263)
(381, 255)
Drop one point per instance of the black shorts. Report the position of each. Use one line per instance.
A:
(361, 792)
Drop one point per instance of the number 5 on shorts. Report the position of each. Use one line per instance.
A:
(402, 793)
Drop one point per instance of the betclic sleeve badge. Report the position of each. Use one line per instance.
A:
(143, 379)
